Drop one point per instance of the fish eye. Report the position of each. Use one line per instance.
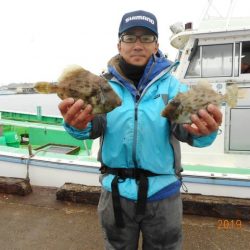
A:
(176, 103)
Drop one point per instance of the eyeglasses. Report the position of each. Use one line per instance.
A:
(142, 38)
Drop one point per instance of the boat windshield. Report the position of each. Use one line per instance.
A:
(214, 61)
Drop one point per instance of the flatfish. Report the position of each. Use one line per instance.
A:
(79, 83)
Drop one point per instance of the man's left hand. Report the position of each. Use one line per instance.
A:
(206, 122)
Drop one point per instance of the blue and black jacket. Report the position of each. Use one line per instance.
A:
(135, 135)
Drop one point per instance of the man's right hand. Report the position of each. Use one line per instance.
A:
(75, 113)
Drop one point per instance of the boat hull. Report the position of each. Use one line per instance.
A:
(49, 173)
(56, 172)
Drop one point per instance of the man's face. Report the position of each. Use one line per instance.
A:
(137, 53)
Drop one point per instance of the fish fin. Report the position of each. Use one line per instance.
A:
(204, 83)
(231, 95)
(45, 87)
(243, 93)
(70, 71)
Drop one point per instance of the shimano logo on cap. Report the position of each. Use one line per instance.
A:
(131, 18)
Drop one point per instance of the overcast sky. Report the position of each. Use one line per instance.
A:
(41, 37)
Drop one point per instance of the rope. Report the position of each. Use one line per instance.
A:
(29, 158)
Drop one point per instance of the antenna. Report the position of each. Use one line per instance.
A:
(211, 6)
(230, 11)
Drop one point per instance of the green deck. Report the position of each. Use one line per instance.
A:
(17, 130)
(81, 156)
(217, 169)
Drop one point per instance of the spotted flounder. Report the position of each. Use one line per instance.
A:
(198, 97)
(78, 83)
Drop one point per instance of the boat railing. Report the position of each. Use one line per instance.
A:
(30, 117)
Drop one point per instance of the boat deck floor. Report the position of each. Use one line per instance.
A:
(39, 221)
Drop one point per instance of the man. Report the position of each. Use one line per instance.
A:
(139, 151)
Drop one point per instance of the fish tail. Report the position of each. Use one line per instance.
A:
(232, 93)
(45, 87)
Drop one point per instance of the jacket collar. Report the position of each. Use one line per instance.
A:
(156, 64)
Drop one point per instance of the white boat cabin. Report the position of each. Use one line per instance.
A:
(219, 52)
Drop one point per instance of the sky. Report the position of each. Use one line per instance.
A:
(39, 38)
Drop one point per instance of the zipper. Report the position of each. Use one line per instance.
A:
(137, 98)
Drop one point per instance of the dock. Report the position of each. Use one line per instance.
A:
(40, 221)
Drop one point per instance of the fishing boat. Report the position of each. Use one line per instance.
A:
(52, 158)
(7, 92)
(218, 51)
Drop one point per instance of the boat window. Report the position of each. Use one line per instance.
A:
(236, 59)
(217, 60)
(245, 58)
(213, 61)
(194, 68)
